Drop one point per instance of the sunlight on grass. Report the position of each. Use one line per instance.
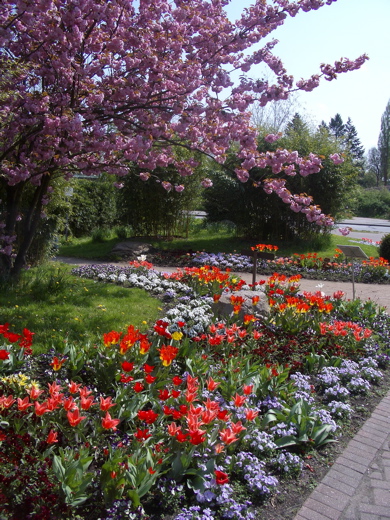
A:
(215, 241)
(58, 306)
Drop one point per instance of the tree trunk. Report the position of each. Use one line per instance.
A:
(29, 225)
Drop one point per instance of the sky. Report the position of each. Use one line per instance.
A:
(346, 28)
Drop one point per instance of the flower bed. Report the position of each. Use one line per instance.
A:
(198, 419)
(311, 265)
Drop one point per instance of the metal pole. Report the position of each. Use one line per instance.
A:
(254, 270)
(353, 279)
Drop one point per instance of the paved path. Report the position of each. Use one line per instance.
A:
(357, 487)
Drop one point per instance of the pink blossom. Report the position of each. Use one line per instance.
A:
(144, 176)
(118, 85)
(166, 185)
(336, 158)
(271, 138)
(345, 231)
(207, 183)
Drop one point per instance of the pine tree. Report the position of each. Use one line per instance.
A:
(297, 125)
(337, 127)
(354, 145)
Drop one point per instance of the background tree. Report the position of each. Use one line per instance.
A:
(336, 126)
(106, 83)
(374, 164)
(162, 210)
(354, 146)
(384, 144)
(348, 138)
(263, 217)
(93, 205)
(297, 126)
(274, 117)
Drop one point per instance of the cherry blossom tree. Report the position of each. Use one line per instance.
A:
(93, 85)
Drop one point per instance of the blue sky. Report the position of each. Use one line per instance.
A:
(347, 28)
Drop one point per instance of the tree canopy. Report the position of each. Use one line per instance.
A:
(100, 84)
(384, 144)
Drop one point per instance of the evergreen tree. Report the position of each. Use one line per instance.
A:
(337, 127)
(354, 145)
(322, 127)
(297, 125)
(384, 144)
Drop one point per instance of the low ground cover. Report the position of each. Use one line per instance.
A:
(309, 265)
(213, 239)
(60, 307)
(198, 418)
(327, 263)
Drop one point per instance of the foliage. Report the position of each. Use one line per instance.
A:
(384, 248)
(384, 145)
(374, 165)
(373, 203)
(268, 217)
(92, 205)
(162, 210)
(114, 83)
(346, 135)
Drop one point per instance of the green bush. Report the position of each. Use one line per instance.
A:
(101, 234)
(266, 217)
(384, 248)
(123, 232)
(373, 203)
(93, 205)
(150, 210)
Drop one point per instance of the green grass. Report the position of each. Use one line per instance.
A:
(214, 240)
(58, 306)
(328, 249)
(85, 247)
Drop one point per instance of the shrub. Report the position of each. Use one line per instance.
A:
(123, 232)
(93, 205)
(384, 248)
(373, 203)
(150, 209)
(101, 234)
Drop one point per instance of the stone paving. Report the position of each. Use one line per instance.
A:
(357, 487)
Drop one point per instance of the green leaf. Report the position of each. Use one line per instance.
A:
(58, 468)
(287, 440)
(134, 497)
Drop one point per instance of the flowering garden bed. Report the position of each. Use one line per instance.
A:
(198, 419)
(308, 265)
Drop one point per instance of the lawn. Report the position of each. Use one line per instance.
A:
(60, 307)
(213, 239)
